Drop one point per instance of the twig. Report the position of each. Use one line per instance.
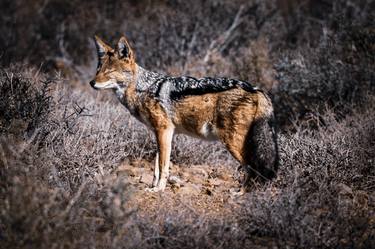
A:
(220, 43)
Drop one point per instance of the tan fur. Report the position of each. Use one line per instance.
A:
(193, 111)
(226, 116)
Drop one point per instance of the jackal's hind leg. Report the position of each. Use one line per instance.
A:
(247, 183)
(236, 150)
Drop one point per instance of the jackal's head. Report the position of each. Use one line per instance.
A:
(116, 67)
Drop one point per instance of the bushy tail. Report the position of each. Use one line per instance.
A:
(262, 145)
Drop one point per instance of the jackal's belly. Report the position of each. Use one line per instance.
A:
(204, 131)
(195, 116)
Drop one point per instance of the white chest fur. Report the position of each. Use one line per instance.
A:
(120, 93)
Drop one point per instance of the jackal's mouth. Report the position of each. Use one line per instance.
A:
(110, 84)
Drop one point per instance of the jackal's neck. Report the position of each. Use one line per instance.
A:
(145, 78)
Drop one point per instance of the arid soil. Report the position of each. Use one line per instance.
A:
(203, 189)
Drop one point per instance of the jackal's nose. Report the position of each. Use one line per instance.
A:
(92, 83)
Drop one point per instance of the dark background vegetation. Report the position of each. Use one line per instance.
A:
(60, 141)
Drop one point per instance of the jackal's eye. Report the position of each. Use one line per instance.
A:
(101, 54)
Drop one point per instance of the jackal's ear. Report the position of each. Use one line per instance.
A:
(123, 48)
(101, 47)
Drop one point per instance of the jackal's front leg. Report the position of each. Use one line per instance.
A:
(156, 171)
(161, 171)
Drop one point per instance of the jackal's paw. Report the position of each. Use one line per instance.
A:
(154, 189)
(155, 182)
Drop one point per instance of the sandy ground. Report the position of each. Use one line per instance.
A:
(203, 189)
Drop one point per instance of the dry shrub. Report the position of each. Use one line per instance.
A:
(336, 73)
(190, 151)
(168, 229)
(56, 187)
(58, 31)
(255, 65)
(324, 196)
(37, 212)
(24, 104)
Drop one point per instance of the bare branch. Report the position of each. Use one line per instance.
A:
(220, 43)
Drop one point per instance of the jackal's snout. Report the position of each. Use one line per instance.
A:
(92, 84)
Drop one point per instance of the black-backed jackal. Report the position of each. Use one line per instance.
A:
(232, 111)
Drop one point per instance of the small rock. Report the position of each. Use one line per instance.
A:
(175, 181)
